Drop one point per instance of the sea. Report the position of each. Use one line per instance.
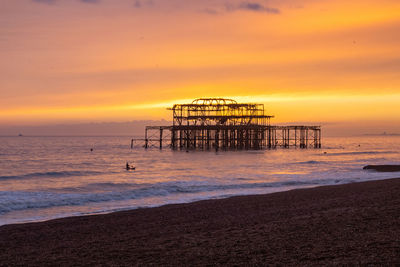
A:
(43, 178)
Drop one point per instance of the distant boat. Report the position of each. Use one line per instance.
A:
(20, 135)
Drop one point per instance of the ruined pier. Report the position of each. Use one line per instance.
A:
(218, 123)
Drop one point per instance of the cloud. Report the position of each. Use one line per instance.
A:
(210, 11)
(257, 7)
(143, 3)
(90, 1)
(51, 2)
(48, 2)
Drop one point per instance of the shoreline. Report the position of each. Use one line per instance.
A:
(347, 223)
(127, 209)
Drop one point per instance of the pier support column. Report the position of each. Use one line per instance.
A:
(217, 140)
(146, 141)
(173, 138)
(161, 137)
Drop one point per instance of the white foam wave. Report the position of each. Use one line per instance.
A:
(21, 200)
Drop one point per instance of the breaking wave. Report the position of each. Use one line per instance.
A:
(21, 200)
(50, 174)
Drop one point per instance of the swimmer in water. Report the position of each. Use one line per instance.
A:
(129, 167)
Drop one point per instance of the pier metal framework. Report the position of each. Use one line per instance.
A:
(218, 123)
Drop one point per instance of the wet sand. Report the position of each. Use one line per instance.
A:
(357, 223)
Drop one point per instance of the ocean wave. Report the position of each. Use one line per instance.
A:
(49, 174)
(21, 200)
(310, 162)
(359, 153)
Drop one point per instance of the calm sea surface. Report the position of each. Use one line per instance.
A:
(50, 177)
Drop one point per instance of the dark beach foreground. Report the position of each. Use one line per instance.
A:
(356, 223)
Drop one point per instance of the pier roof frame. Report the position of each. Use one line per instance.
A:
(220, 111)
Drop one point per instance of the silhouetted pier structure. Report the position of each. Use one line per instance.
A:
(218, 123)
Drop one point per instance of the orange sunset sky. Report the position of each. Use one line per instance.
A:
(316, 61)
